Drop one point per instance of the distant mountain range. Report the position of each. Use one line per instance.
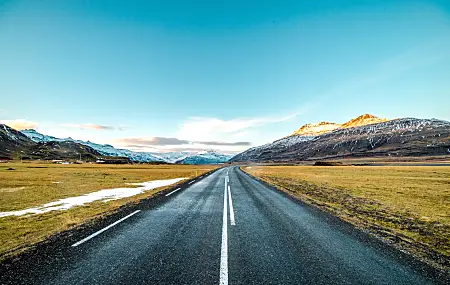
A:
(364, 136)
(34, 145)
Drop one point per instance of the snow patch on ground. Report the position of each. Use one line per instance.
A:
(102, 195)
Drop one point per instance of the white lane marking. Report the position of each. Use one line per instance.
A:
(224, 249)
(232, 221)
(191, 182)
(104, 229)
(173, 192)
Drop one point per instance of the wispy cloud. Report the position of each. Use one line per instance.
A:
(92, 127)
(152, 141)
(212, 129)
(223, 143)
(19, 124)
(162, 141)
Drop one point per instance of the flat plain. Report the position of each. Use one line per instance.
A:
(25, 185)
(407, 206)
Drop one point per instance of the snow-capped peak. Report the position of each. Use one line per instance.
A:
(320, 128)
(315, 129)
(366, 119)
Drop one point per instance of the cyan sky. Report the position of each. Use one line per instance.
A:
(223, 71)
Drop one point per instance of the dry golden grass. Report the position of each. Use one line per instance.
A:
(407, 204)
(33, 184)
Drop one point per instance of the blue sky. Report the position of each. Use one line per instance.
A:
(225, 75)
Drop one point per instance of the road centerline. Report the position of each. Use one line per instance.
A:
(232, 221)
(224, 248)
(104, 229)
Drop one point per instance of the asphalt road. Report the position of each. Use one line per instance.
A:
(198, 235)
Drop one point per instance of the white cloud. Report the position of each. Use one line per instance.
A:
(90, 127)
(200, 128)
(19, 124)
(228, 136)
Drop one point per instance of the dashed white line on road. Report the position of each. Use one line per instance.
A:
(191, 182)
(232, 221)
(104, 229)
(224, 249)
(173, 192)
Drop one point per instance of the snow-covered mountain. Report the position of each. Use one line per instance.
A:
(208, 157)
(104, 149)
(399, 137)
(38, 137)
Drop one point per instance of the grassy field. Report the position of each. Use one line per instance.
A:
(26, 185)
(407, 205)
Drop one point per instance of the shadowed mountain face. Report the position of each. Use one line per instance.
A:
(14, 144)
(400, 137)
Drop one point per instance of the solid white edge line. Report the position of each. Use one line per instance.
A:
(173, 192)
(230, 202)
(224, 249)
(104, 229)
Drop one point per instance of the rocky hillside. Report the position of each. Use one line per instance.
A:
(399, 137)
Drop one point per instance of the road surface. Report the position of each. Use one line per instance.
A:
(224, 228)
